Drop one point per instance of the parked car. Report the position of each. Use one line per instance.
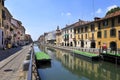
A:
(15, 45)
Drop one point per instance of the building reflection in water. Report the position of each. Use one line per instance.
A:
(85, 70)
(88, 69)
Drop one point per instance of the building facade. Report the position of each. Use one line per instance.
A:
(85, 35)
(2, 16)
(108, 31)
(69, 34)
(100, 32)
(19, 31)
(50, 37)
(91, 34)
(58, 37)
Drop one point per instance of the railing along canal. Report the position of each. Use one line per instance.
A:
(32, 71)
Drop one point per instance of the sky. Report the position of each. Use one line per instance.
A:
(39, 16)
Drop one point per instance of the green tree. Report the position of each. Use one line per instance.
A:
(113, 10)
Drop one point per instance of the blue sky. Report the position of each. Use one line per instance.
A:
(39, 16)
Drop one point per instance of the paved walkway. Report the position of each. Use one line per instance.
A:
(11, 63)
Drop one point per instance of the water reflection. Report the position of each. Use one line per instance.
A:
(36, 49)
(87, 69)
(44, 65)
(75, 68)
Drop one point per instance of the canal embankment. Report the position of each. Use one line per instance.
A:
(88, 54)
(92, 53)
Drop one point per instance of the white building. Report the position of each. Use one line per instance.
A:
(68, 35)
(50, 37)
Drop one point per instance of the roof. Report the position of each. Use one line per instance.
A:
(115, 14)
(8, 11)
(19, 22)
(80, 22)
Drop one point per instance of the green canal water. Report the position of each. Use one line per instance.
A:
(66, 66)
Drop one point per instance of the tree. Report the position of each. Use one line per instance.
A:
(113, 10)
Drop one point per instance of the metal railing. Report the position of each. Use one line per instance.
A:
(29, 77)
(32, 71)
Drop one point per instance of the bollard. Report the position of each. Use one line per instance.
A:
(26, 65)
(27, 56)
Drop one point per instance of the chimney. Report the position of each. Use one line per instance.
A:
(80, 20)
(96, 18)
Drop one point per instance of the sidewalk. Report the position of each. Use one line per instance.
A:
(11, 61)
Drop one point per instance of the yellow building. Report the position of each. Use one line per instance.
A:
(101, 31)
(85, 35)
(58, 37)
(108, 31)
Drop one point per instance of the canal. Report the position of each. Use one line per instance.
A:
(66, 66)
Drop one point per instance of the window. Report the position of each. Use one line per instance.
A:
(81, 30)
(92, 36)
(112, 22)
(78, 36)
(119, 19)
(82, 36)
(99, 26)
(67, 31)
(78, 42)
(86, 29)
(105, 33)
(99, 34)
(71, 35)
(71, 30)
(86, 36)
(119, 34)
(113, 33)
(78, 30)
(105, 23)
(3, 14)
(75, 31)
(92, 27)
(99, 43)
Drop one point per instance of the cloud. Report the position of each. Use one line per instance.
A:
(99, 11)
(27, 32)
(111, 7)
(66, 14)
